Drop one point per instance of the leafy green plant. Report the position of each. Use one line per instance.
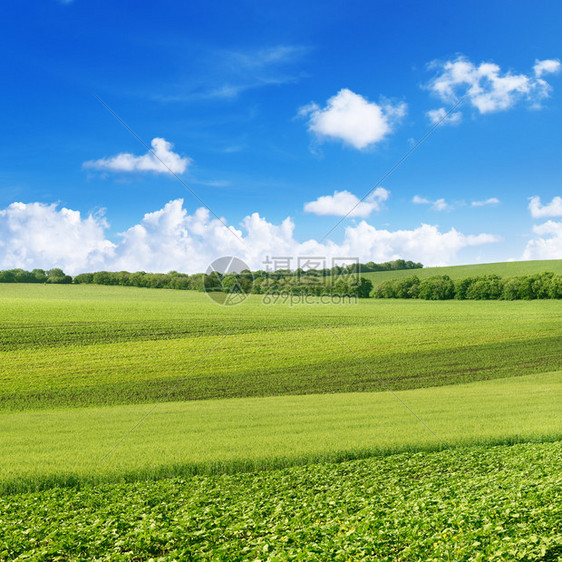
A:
(498, 503)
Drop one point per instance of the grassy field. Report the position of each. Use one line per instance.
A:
(503, 269)
(74, 346)
(109, 395)
(481, 503)
(184, 438)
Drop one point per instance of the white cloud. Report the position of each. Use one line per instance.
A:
(431, 246)
(442, 205)
(438, 115)
(552, 209)
(490, 201)
(417, 200)
(487, 87)
(40, 235)
(547, 66)
(548, 244)
(353, 119)
(161, 159)
(437, 205)
(344, 203)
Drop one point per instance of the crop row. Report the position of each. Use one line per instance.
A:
(90, 345)
(42, 448)
(499, 503)
(314, 361)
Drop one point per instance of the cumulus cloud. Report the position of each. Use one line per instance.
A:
(440, 115)
(548, 244)
(160, 159)
(484, 202)
(427, 242)
(170, 238)
(437, 205)
(547, 66)
(345, 203)
(351, 118)
(487, 87)
(40, 235)
(539, 211)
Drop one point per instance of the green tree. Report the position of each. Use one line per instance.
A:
(439, 287)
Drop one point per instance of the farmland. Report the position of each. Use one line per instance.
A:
(312, 430)
(503, 269)
(186, 438)
(88, 345)
(478, 503)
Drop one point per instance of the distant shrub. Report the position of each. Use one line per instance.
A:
(84, 278)
(437, 288)
(406, 288)
(527, 287)
(22, 276)
(511, 288)
(484, 287)
(462, 286)
(56, 275)
(395, 265)
(555, 287)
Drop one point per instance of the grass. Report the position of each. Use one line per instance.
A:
(91, 468)
(503, 269)
(76, 346)
(480, 503)
(185, 438)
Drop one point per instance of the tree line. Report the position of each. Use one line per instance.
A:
(342, 285)
(394, 265)
(55, 275)
(483, 287)
(259, 282)
(342, 280)
(338, 270)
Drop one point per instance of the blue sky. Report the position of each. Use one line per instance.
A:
(272, 108)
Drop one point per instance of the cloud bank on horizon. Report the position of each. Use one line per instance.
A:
(42, 235)
(547, 244)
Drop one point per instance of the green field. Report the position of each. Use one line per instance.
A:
(88, 345)
(503, 269)
(185, 438)
(115, 391)
(480, 503)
